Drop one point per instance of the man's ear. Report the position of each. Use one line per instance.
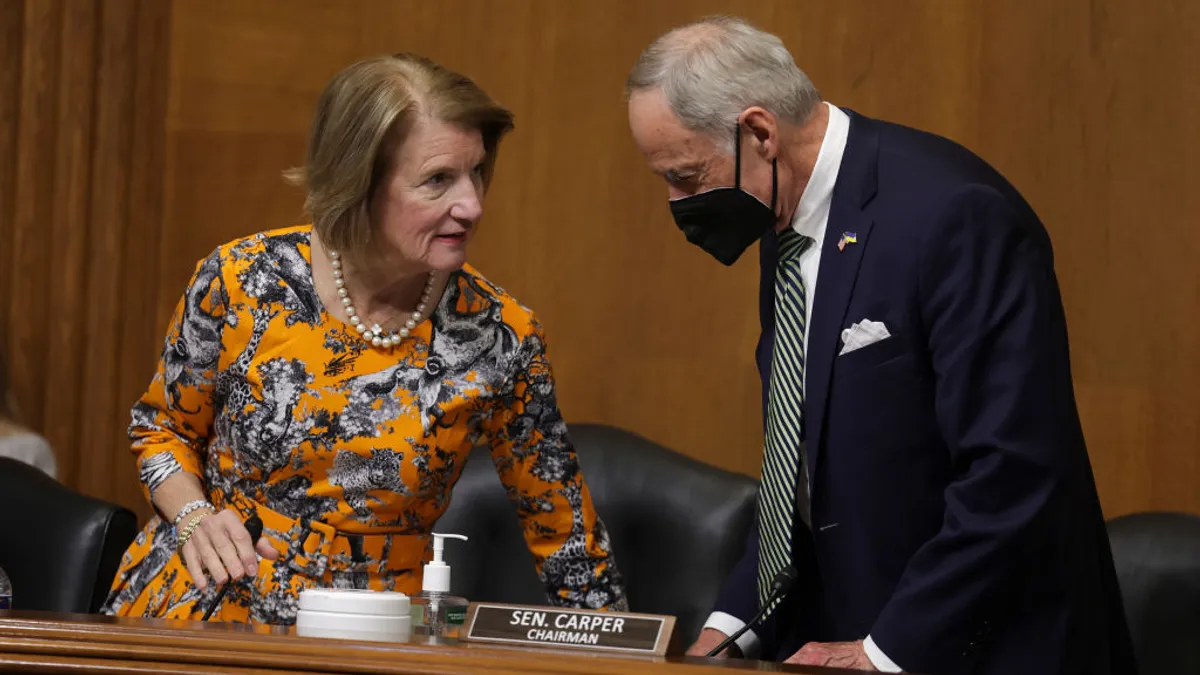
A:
(764, 132)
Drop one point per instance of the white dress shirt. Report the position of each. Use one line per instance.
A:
(810, 219)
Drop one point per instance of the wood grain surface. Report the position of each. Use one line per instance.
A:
(139, 134)
(39, 642)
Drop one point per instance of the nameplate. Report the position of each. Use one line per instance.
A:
(569, 628)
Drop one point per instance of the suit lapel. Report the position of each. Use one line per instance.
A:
(856, 185)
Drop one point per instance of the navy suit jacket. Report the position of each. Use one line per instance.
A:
(955, 515)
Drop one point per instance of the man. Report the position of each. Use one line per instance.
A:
(924, 468)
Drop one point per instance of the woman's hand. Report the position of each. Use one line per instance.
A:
(221, 545)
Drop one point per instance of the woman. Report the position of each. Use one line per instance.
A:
(18, 442)
(332, 378)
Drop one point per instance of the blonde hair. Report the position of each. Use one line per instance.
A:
(365, 109)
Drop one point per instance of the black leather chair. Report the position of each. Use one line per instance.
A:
(59, 548)
(677, 526)
(1157, 555)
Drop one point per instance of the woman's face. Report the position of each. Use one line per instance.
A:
(426, 206)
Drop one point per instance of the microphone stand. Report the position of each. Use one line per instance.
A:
(780, 586)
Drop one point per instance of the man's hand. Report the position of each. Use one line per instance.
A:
(833, 655)
(709, 638)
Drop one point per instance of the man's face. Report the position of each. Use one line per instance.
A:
(691, 162)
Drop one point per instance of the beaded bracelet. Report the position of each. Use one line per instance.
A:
(192, 506)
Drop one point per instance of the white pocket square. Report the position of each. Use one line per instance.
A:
(861, 334)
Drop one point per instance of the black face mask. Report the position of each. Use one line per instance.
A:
(725, 221)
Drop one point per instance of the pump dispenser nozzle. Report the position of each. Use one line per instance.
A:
(437, 572)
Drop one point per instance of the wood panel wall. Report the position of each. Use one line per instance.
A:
(1085, 105)
(82, 108)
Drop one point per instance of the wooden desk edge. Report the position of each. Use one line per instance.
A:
(40, 642)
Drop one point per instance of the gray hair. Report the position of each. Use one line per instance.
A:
(712, 69)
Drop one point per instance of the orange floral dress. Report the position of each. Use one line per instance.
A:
(349, 452)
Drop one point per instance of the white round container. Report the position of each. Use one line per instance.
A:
(351, 614)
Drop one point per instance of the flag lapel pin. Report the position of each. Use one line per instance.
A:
(847, 238)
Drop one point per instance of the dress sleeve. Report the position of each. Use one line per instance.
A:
(539, 469)
(171, 421)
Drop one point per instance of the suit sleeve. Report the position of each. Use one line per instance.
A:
(738, 596)
(1005, 406)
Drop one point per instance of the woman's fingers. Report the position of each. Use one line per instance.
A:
(192, 559)
(218, 529)
(209, 556)
(243, 547)
(265, 549)
(221, 546)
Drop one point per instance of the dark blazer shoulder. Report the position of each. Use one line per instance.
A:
(921, 176)
(945, 163)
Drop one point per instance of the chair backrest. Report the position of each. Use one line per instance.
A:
(677, 526)
(1157, 556)
(59, 548)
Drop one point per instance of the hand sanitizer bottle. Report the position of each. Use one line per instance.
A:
(438, 616)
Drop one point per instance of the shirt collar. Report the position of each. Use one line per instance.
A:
(812, 213)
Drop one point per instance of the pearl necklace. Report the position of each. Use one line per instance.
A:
(375, 333)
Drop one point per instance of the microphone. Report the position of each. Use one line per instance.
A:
(254, 526)
(780, 586)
